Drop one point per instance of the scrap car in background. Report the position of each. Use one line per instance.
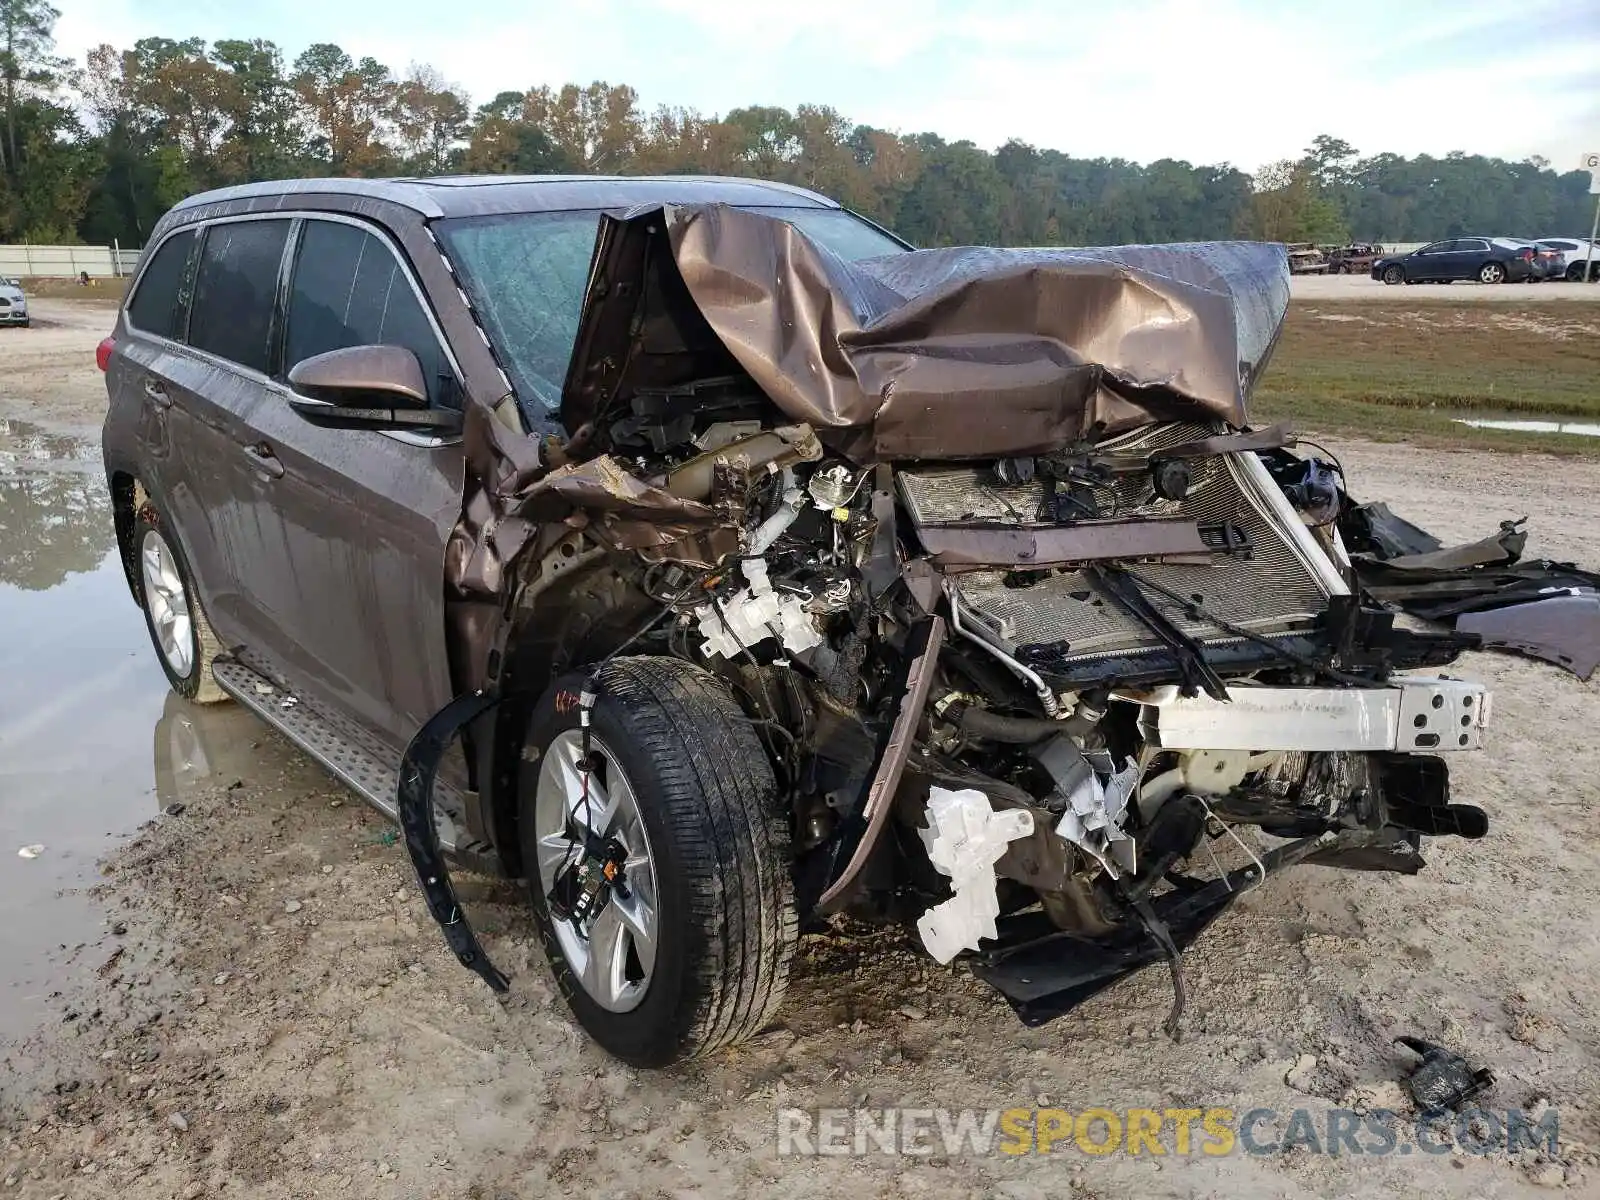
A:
(1306, 259)
(647, 540)
(1356, 258)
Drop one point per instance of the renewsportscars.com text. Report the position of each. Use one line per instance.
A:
(1180, 1132)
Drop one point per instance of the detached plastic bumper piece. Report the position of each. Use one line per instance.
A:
(418, 768)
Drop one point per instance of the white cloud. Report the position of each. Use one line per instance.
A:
(1244, 81)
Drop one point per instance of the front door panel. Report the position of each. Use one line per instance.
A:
(353, 534)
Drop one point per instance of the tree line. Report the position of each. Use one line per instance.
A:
(97, 151)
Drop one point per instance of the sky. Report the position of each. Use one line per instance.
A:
(1209, 81)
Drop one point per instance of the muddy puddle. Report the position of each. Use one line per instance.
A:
(92, 742)
(1536, 424)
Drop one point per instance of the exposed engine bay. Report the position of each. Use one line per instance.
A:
(1036, 705)
(1058, 707)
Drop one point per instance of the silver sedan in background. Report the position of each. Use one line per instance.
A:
(13, 303)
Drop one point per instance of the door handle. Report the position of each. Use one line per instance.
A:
(264, 460)
(157, 393)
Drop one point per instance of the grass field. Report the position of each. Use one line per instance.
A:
(1400, 372)
(51, 287)
(1390, 371)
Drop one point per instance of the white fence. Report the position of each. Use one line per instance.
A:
(67, 261)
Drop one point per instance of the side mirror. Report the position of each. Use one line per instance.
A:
(367, 387)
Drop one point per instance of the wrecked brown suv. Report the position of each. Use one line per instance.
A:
(697, 552)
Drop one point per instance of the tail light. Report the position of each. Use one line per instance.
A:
(1527, 256)
(102, 352)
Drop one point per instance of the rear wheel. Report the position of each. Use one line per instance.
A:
(1491, 272)
(1394, 275)
(182, 636)
(687, 947)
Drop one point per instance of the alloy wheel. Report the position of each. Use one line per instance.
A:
(612, 954)
(167, 602)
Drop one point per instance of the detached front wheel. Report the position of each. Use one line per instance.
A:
(658, 864)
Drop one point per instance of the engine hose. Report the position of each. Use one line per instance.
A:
(1047, 698)
(1015, 731)
(1022, 731)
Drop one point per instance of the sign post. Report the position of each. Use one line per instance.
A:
(1591, 163)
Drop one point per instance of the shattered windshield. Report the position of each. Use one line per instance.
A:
(525, 274)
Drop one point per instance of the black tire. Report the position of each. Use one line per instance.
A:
(726, 920)
(1394, 274)
(1491, 273)
(194, 681)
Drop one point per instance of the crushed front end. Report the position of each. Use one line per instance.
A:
(1062, 710)
(1053, 661)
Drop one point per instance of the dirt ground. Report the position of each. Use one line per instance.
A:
(270, 1012)
(1364, 287)
(47, 372)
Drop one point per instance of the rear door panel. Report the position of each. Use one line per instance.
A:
(171, 394)
(1467, 256)
(221, 381)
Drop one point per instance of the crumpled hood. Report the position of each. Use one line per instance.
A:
(935, 354)
(964, 353)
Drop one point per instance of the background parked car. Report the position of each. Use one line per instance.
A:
(1574, 252)
(13, 303)
(1547, 263)
(1487, 260)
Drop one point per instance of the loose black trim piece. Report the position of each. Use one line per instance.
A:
(1443, 1079)
(1044, 972)
(1121, 587)
(1239, 631)
(418, 768)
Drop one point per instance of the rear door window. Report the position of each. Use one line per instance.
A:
(159, 301)
(349, 289)
(234, 291)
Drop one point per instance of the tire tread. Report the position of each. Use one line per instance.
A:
(712, 787)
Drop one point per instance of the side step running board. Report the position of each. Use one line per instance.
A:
(348, 753)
